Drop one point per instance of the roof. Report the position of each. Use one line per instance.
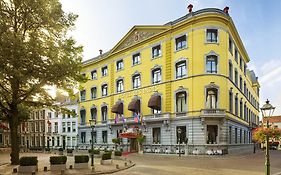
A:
(273, 119)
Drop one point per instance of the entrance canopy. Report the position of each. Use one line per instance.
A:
(155, 102)
(117, 108)
(129, 135)
(134, 105)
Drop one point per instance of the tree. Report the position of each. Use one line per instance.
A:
(35, 51)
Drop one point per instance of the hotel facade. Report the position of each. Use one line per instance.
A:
(187, 80)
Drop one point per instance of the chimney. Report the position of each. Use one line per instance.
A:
(225, 10)
(100, 52)
(190, 6)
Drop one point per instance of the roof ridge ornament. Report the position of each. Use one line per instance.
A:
(189, 7)
(225, 10)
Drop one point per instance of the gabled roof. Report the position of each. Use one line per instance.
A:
(138, 34)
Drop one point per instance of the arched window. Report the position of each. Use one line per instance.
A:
(212, 64)
(94, 113)
(104, 90)
(83, 116)
(156, 75)
(104, 114)
(230, 70)
(120, 85)
(181, 101)
(181, 70)
(230, 101)
(136, 81)
(211, 98)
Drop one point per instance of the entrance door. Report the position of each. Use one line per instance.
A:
(133, 145)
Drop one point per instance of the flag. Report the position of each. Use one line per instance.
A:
(136, 117)
(123, 119)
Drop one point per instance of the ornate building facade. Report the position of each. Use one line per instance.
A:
(185, 82)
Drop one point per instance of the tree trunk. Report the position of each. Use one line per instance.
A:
(13, 122)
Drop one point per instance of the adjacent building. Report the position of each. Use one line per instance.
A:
(274, 121)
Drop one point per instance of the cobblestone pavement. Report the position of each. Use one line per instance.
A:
(250, 164)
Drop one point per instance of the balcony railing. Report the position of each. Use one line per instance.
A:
(213, 112)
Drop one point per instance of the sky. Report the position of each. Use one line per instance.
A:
(102, 23)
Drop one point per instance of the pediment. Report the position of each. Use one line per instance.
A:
(138, 34)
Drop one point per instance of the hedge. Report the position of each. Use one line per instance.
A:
(47, 149)
(28, 161)
(81, 159)
(36, 148)
(118, 153)
(106, 156)
(94, 151)
(60, 149)
(54, 160)
(69, 150)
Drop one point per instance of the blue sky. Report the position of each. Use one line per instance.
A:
(102, 23)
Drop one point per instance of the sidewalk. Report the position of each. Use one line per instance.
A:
(43, 161)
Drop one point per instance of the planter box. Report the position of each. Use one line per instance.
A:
(27, 169)
(58, 167)
(106, 162)
(69, 154)
(81, 165)
(60, 152)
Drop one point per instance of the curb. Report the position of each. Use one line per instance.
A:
(112, 171)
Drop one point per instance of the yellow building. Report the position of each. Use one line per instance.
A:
(189, 75)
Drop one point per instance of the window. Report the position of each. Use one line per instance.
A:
(94, 74)
(104, 113)
(104, 71)
(229, 135)
(104, 90)
(63, 127)
(212, 131)
(236, 55)
(136, 81)
(56, 127)
(104, 136)
(230, 45)
(83, 137)
(181, 42)
(83, 116)
(93, 92)
(245, 88)
(245, 68)
(181, 138)
(211, 98)
(120, 85)
(156, 135)
(155, 111)
(95, 136)
(93, 113)
(230, 70)
(73, 112)
(119, 65)
(241, 63)
(236, 135)
(241, 84)
(181, 69)
(245, 111)
(73, 126)
(240, 135)
(244, 136)
(236, 77)
(1, 138)
(156, 51)
(136, 59)
(83, 95)
(211, 64)
(230, 102)
(241, 109)
(68, 127)
(181, 102)
(212, 35)
(156, 76)
(236, 106)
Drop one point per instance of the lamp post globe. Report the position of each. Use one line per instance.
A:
(267, 111)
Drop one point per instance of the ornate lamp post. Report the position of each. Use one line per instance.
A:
(92, 124)
(179, 133)
(267, 111)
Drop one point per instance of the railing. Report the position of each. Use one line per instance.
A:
(213, 112)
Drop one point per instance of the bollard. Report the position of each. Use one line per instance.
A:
(117, 166)
(125, 164)
(62, 172)
(45, 168)
(130, 161)
(70, 167)
(93, 169)
(15, 170)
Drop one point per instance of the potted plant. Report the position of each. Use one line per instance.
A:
(60, 151)
(140, 140)
(58, 163)
(69, 152)
(116, 141)
(106, 158)
(81, 161)
(28, 164)
(118, 153)
(47, 150)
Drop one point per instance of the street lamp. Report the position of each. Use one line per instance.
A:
(92, 124)
(267, 111)
(179, 132)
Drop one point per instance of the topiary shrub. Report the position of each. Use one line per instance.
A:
(69, 151)
(81, 159)
(106, 156)
(60, 149)
(28, 161)
(47, 149)
(55, 160)
(118, 153)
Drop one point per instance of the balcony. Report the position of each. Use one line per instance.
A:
(213, 113)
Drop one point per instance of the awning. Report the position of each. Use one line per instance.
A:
(117, 108)
(128, 135)
(134, 105)
(155, 102)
